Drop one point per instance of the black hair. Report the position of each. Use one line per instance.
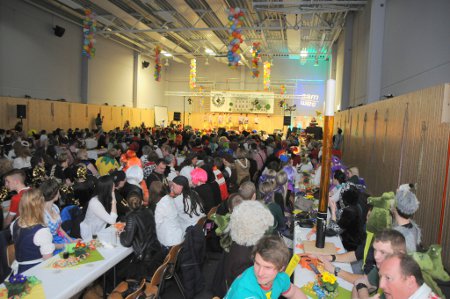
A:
(193, 198)
(339, 176)
(103, 190)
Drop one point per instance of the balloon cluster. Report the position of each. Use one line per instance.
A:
(256, 55)
(282, 89)
(267, 76)
(158, 65)
(193, 74)
(235, 18)
(89, 29)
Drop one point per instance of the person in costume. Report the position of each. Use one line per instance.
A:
(33, 241)
(50, 190)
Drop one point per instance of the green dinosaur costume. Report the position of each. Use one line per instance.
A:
(380, 217)
(430, 263)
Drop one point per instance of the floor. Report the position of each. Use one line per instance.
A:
(171, 290)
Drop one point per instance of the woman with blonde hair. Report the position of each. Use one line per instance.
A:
(33, 241)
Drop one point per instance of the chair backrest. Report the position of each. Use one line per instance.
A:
(212, 212)
(128, 288)
(172, 260)
(11, 254)
(152, 288)
(201, 222)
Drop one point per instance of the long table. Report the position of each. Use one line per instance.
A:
(65, 283)
(303, 276)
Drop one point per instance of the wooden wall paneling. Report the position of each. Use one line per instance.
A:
(425, 154)
(11, 112)
(78, 115)
(115, 118)
(61, 112)
(3, 112)
(92, 112)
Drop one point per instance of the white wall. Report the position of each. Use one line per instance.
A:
(416, 45)
(150, 92)
(33, 61)
(416, 48)
(110, 76)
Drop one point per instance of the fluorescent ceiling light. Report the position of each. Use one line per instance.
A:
(71, 4)
(209, 51)
(304, 53)
(167, 54)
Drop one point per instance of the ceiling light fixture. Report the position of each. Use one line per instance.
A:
(209, 52)
(167, 54)
(303, 53)
(167, 62)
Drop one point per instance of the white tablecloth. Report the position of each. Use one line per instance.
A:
(65, 283)
(303, 276)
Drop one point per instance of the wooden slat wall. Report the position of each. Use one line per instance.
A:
(405, 142)
(50, 115)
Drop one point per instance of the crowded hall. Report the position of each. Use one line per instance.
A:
(218, 149)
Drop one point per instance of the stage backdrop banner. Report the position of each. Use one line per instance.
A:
(242, 102)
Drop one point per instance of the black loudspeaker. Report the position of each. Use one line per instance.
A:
(177, 116)
(287, 121)
(21, 111)
(59, 31)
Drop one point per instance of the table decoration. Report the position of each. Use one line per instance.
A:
(21, 286)
(79, 253)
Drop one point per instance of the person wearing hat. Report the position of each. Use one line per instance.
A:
(187, 201)
(107, 163)
(406, 204)
(135, 178)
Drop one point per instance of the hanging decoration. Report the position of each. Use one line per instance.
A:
(282, 89)
(158, 65)
(267, 76)
(193, 74)
(235, 19)
(89, 29)
(256, 56)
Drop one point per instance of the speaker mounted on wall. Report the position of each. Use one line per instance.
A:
(287, 121)
(21, 111)
(177, 116)
(59, 31)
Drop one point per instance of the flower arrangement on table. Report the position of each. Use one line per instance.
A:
(19, 285)
(81, 253)
(325, 286)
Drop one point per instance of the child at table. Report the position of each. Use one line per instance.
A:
(33, 241)
(50, 190)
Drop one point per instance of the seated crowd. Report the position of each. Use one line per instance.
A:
(162, 183)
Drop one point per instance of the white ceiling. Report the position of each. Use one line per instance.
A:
(185, 28)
